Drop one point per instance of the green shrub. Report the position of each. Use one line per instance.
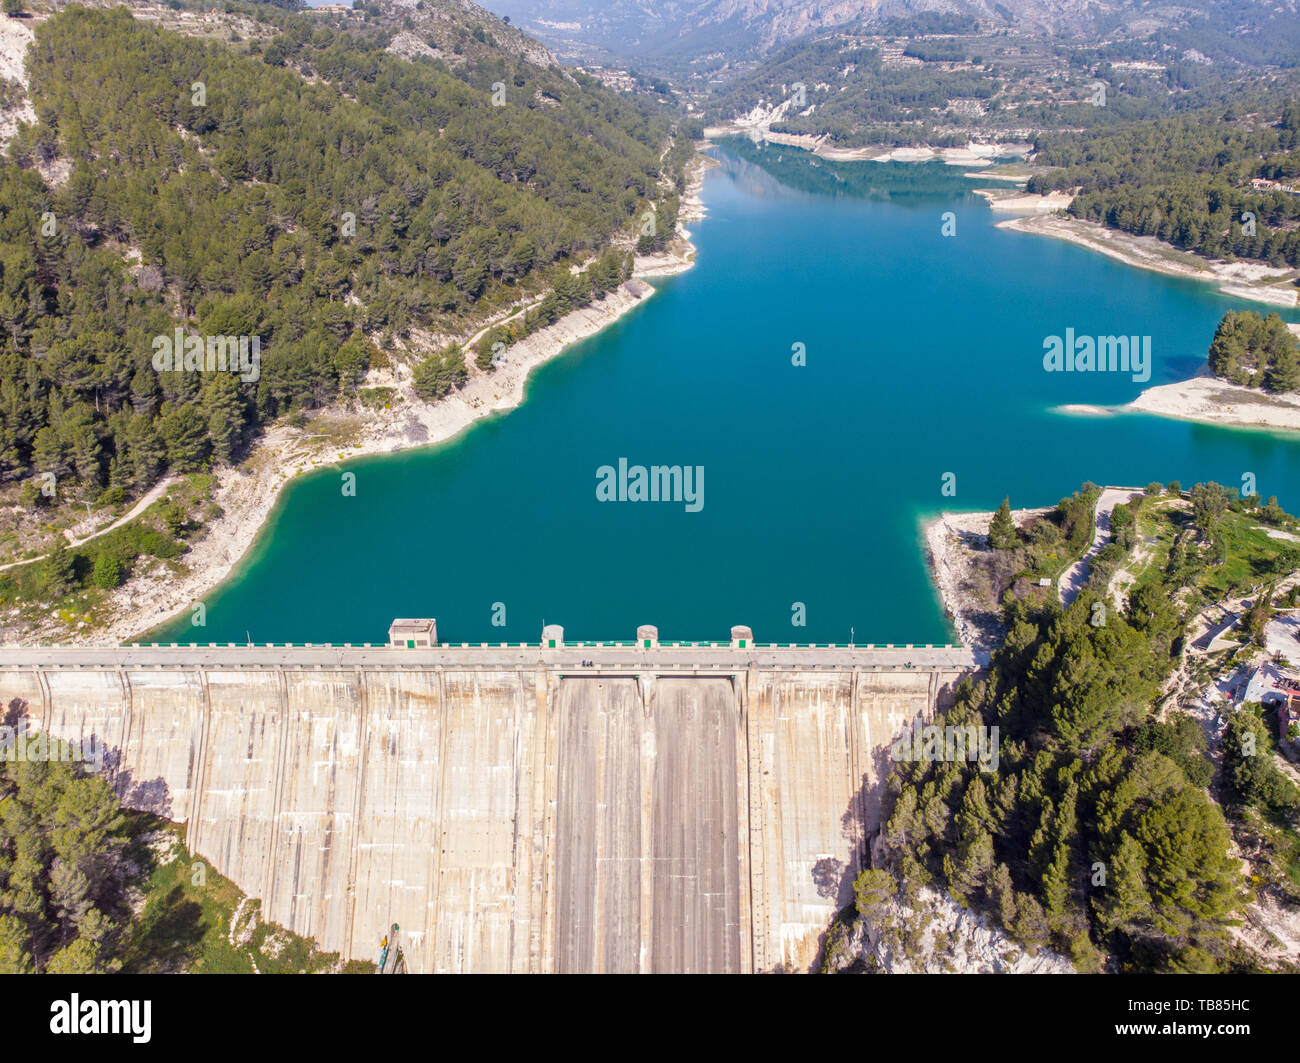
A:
(107, 572)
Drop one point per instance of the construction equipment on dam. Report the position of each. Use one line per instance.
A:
(391, 960)
(626, 806)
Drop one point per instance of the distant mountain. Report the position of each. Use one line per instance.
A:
(683, 30)
(940, 79)
(645, 29)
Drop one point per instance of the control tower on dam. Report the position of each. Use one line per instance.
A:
(636, 806)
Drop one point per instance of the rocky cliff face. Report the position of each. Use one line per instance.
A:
(441, 24)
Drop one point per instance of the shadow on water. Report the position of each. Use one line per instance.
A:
(769, 169)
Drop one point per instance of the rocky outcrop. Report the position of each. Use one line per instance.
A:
(934, 936)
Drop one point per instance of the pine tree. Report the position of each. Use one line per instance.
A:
(1257, 616)
(1002, 894)
(1123, 899)
(967, 873)
(184, 434)
(1002, 529)
(225, 408)
(1284, 374)
(1031, 928)
(145, 452)
(14, 957)
(871, 889)
(1191, 875)
(59, 570)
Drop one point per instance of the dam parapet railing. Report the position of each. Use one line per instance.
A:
(598, 656)
(414, 644)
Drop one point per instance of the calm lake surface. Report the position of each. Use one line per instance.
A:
(924, 357)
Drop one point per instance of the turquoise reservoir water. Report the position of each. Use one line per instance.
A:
(924, 357)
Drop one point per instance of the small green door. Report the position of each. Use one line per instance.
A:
(410, 644)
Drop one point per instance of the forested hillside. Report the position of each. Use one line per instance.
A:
(1189, 181)
(1103, 832)
(850, 96)
(316, 191)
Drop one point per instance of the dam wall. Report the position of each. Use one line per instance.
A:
(616, 808)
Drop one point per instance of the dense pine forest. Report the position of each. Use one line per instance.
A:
(316, 191)
(1256, 351)
(1188, 181)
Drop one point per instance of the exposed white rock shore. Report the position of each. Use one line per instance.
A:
(247, 493)
(1209, 400)
(1242, 280)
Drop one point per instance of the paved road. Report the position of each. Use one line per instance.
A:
(625, 659)
(1074, 578)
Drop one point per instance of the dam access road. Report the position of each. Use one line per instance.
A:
(590, 807)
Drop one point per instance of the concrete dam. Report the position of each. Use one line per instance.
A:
(615, 807)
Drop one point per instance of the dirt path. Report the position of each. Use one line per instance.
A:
(147, 499)
(1126, 577)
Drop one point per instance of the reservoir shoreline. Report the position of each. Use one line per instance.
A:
(1208, 400)
(248, 494)
(952, 540)
(267, 538)
(1242, 280)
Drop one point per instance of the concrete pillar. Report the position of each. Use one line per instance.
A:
(267, 892)
(742, 638)
(758, 747)
(552, 637)
(547, 685)
(647, 637)
(199, 785)
(645, 688)
(541, 959)
(350, 892)
(47, 699)
(740, 691)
